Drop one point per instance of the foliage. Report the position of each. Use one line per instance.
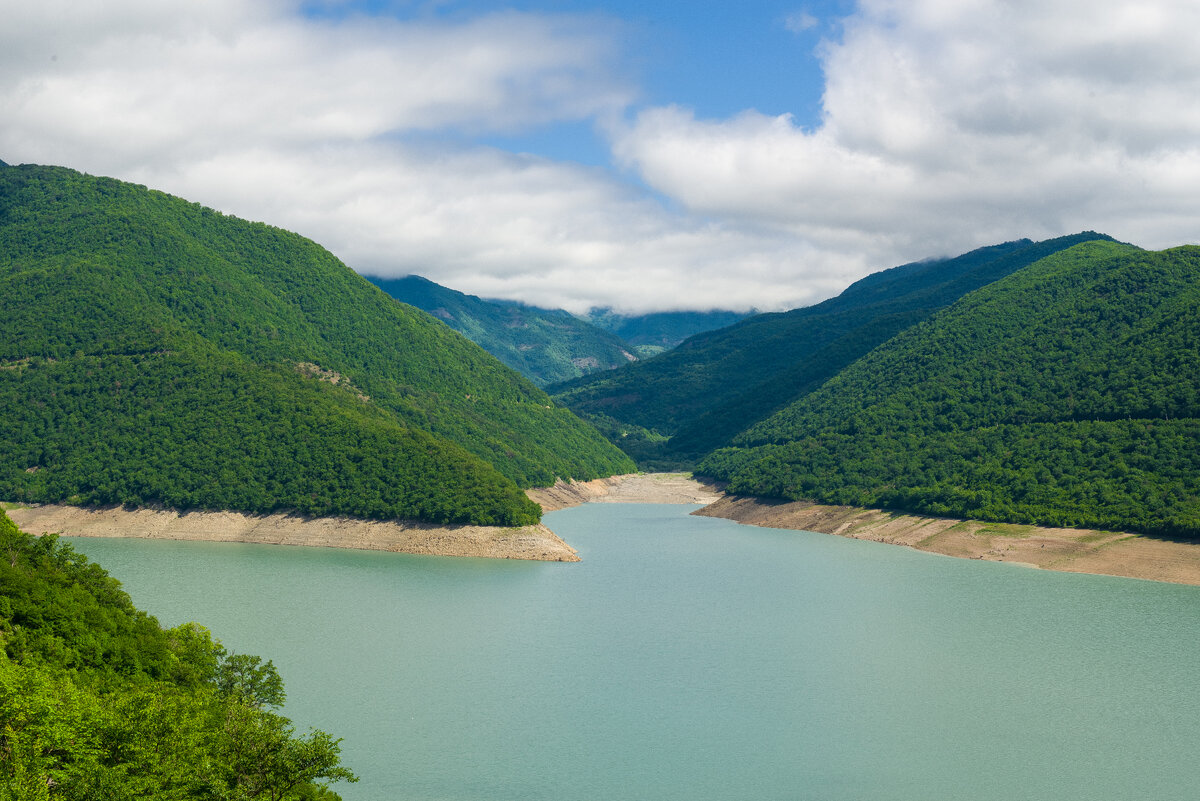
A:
(545, 345)
(156, 351)
(98, 702)
(1065, 394)
(717, 384)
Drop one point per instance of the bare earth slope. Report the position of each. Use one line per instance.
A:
(1070, 550)
(1066, 549)
(529, 542)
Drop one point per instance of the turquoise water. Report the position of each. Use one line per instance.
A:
(693, 658)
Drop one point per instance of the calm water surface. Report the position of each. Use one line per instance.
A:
(693, 658)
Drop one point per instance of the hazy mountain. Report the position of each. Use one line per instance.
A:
(545, 345)
(658, 331)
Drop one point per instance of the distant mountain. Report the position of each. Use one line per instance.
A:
(545, 345)
(653, 333)
(688, 401)
(1067, 393)
(153, 351)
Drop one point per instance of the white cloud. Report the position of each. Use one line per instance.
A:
(148, 83)
(947, 124)
(950, 124)
(499, 225)
(800, 21)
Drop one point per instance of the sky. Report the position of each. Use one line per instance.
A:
(641, 156)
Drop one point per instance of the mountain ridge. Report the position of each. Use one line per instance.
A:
(1063, 394)
(128, 311)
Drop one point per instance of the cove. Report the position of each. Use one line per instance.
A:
(694, 658)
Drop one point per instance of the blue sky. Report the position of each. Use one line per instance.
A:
(646, 157)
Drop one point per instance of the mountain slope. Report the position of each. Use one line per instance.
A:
(156, 350)
(719, 383)
(1066, 394)
(545, 345)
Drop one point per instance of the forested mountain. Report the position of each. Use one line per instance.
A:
(156, 351)
(545, 345)
(719, 383)
(99, 702)
(1067, 393)
(658, 331)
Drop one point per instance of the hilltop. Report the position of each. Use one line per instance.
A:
(1066, 394)
(157, 352)
(686, 402)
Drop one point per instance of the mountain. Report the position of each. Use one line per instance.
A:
(545, 345)
(156, 351)
(719, 383)
(656, 332)
(1066, 394)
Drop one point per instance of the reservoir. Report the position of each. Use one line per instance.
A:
(695, 659)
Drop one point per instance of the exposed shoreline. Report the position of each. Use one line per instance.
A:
(629, 488)
(1063, 549)
(536, 542)
(529, 542)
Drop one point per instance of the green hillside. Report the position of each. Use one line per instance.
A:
(1065, 394)
(97, 701)
(545, 345)
(719, 383)
(154, 350)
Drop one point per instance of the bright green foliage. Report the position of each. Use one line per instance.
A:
(156, 351)
(718, 384)
(545, 345)
(1065, 394)
(98, 702)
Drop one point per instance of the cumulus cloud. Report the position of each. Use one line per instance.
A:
(340, 128)
(945, 125)
(497, 224)
(949, 124)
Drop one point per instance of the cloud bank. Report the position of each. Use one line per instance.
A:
(946, 125)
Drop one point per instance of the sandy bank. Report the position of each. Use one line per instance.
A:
(531, 542)
(629, 488)
(1070, 550)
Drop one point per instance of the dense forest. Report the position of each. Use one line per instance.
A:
(97, 701)
(155, 351)
(545, 345)
(1067, 393)
(676, 407)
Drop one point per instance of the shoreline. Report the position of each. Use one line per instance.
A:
(1108, 553)
(535, 542)
(1065, 550)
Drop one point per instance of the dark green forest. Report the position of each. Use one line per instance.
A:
(99, 703)
(676, 407)
(545, 345)
(156, 351)
(1067, 394)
